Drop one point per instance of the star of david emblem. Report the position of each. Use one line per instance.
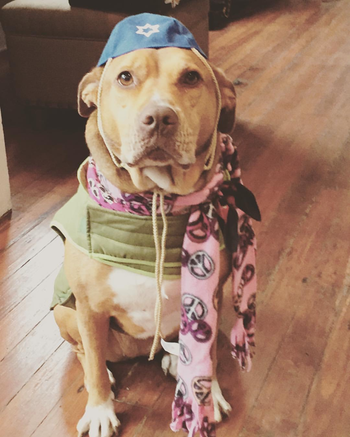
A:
(142, 29)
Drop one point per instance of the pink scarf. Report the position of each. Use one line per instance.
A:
(223, 204)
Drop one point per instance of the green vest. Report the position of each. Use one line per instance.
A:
(115, 238)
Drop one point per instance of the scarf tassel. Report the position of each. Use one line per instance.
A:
(241, 346)
(186, 420)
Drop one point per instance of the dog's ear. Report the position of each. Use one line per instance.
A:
(228, 101)
(87, 92)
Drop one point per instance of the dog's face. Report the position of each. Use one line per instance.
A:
(159, 111)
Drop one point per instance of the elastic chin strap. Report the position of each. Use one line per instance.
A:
(114, 158)
(212, 149)
(209, 161)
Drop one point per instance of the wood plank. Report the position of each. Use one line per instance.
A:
(307, 156)
(253, 55)
(19, 322)
(315, 285)
(32, 274)
(239, 32)
(28, 247)
(329, 392)
(42, 392)
(287, 326)
(285, 69)
(17, 368)
(157, 422)
(143, 384)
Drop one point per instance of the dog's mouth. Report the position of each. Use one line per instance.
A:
(159, 157)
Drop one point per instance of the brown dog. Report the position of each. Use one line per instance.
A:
(159, 113)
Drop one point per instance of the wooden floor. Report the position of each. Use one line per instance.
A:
(292, 70)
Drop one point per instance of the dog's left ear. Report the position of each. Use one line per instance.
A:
(228, 101)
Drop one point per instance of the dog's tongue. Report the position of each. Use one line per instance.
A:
(161, 176)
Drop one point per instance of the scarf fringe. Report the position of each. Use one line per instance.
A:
(241, 346)
(186, 420)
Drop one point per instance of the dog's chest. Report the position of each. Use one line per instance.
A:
(136, 295)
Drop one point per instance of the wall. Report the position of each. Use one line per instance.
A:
(2, 36)
(5, 197)
(2, 39)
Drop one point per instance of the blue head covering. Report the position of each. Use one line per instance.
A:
(147, 31)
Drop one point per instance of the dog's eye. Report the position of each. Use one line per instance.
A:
(125, 78)
(191, 78)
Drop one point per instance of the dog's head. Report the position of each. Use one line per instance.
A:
(158, 112)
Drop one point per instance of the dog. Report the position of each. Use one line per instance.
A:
(158, 110)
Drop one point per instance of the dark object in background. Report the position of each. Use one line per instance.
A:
(219, 13)
(127, 7)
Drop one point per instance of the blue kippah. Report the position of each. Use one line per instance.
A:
(147, 31)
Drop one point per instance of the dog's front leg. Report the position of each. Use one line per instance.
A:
(99, 418)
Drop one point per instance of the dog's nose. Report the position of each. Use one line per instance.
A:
(156, 118)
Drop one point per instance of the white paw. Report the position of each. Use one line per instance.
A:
(169, 364)
(99, 421)
(220, 403)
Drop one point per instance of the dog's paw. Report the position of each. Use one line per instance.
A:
(169, 364)
(99, 421)
(220, 403)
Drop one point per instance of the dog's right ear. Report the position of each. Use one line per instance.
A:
(87, 92)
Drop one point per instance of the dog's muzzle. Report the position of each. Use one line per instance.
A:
(157, 129)
(158, 120)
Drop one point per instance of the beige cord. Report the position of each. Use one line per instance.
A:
(99, 118)
(159, 267)
(211, 152)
